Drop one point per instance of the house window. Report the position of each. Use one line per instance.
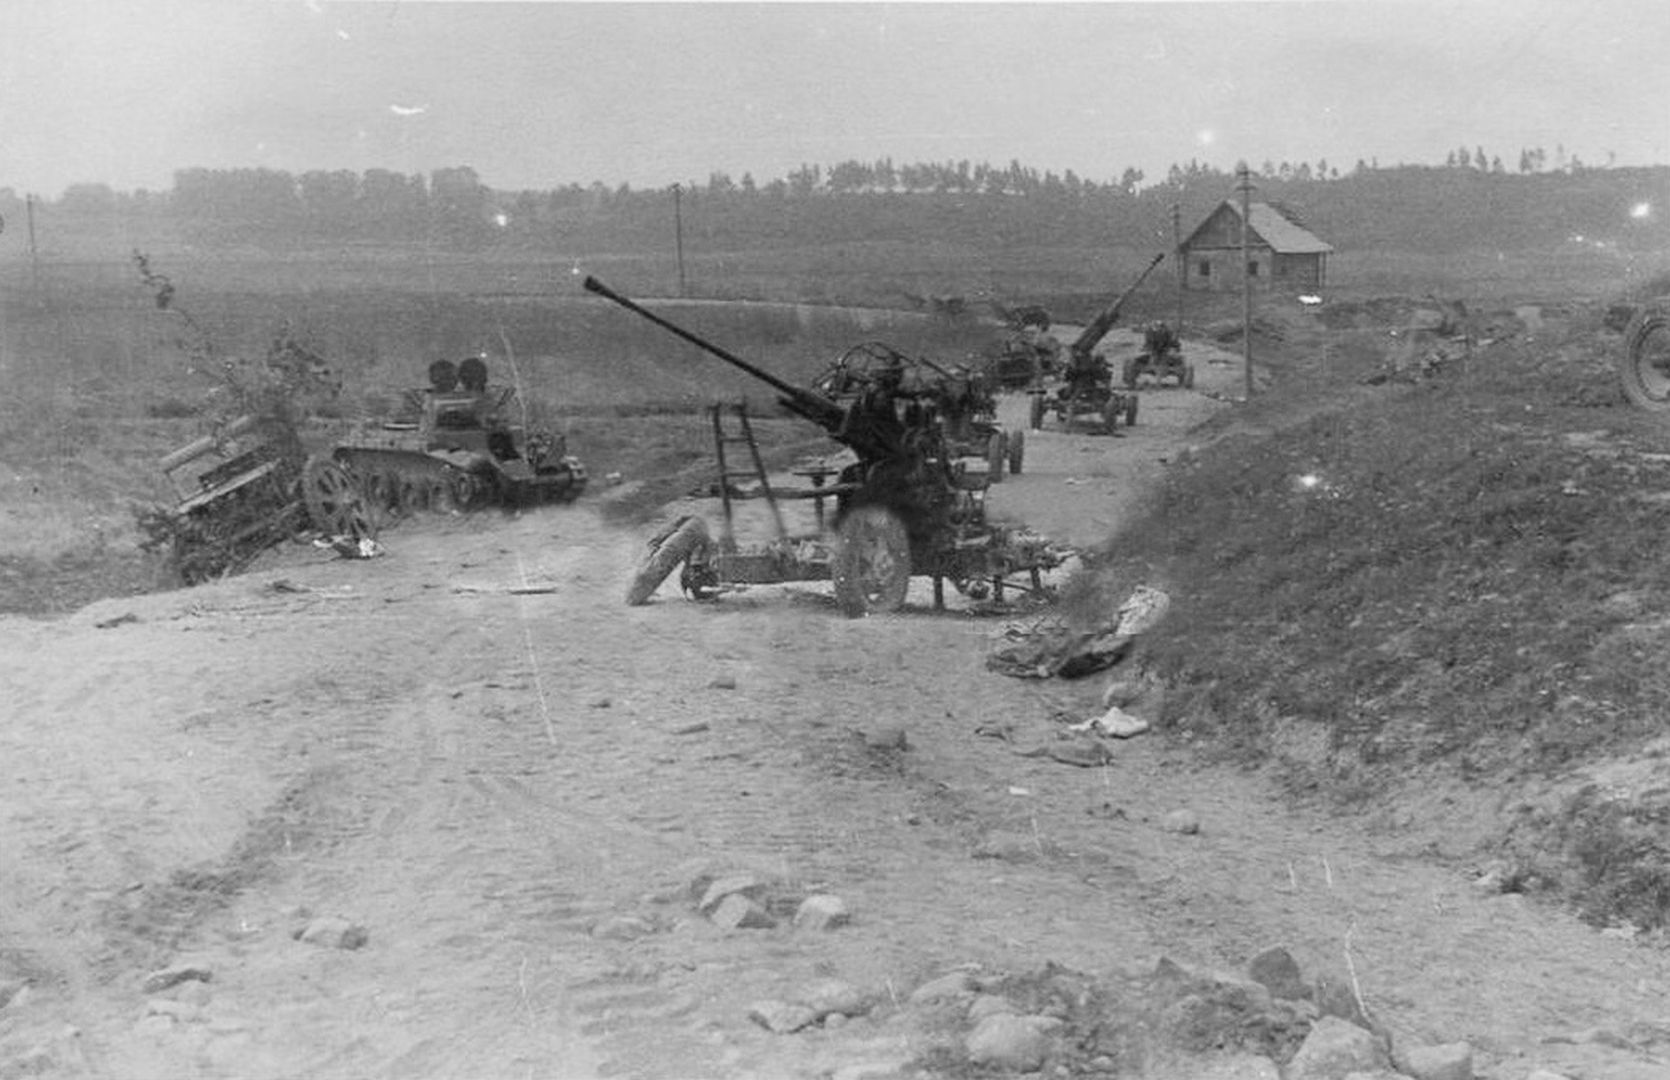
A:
(1204, 267)
(1252, 267)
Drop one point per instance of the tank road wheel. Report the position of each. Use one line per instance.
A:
(334, 503)
(1037, 411)
(996, 450)
(1644, 365)
(872, 562)
(684, 539)
(1130, 410)
(1017, 451)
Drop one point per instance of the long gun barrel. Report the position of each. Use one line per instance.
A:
(814, 407)
(1098, 329)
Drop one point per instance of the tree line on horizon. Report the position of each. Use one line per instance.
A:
(1471, 200)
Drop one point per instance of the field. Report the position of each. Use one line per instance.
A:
(1416, 586)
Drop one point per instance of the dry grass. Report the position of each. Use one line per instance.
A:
(1463, 574)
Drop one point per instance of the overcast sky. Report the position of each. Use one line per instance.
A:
(542, 94)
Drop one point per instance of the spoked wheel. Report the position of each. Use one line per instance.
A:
(872, 562)
(334, 503)
(675, 545)
(1017, 451)
(1644, 366)
(996, 451)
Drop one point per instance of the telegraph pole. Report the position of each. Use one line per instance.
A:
(1182, 266)
(34, 252)
(1244, 185)
(678, 235)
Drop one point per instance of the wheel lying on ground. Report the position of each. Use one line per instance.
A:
(334, 503)
(996, 450)
(1017, 451)
(872, 562)
(686, 537)
(1644, 365)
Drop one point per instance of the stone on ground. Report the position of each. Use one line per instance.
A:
(1011, 1042)
(822, 911)
(737, 912)
(1334, 1049)
(1450, 1061)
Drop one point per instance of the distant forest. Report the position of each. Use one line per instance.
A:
(1471, 202)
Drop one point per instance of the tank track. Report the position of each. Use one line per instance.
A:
(403, 482)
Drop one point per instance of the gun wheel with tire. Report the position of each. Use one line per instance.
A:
(1644, 365)
(1017, 451)
(685, 538)
(871, 571)
(996, 450)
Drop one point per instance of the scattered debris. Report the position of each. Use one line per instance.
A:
(173, 975)
(351, 547)
(822, 911)
(1184, 822)
(332, 932)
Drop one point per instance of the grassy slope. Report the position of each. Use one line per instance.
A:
(1459, 579)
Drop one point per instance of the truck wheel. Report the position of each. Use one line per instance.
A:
(1017, 451)
(685, 538)
(872, 562)
(1644, 365)
(996, 450)
(1130, 410)
(1037, 411)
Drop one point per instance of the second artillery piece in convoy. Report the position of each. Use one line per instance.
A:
(904, 506)
(1087, 381)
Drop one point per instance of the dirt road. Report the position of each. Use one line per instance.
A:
(472, 749)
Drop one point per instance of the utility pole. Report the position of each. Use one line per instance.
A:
(1244, 185)
(678, 235)
(34, 253)
(1182, 266)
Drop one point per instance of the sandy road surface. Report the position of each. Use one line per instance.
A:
(474, 749)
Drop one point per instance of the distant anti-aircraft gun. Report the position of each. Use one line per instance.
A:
(1087, 382)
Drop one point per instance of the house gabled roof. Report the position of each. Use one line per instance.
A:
(1278, 231)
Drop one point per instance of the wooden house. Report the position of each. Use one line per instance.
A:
(1281, 253)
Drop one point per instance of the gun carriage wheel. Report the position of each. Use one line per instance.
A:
(1644, 365)
(673, 546)
(872, 562)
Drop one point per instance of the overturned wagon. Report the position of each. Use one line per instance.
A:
(905, 506)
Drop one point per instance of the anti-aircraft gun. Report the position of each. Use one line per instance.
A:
(904, 506)
(1087, 381)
